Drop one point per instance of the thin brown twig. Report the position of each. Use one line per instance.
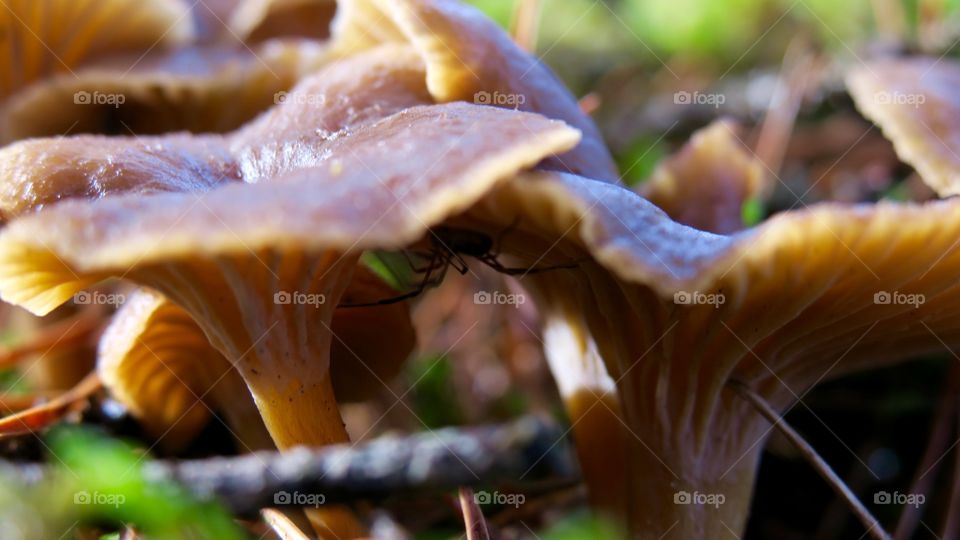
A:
(42, 416)
(473, 520)
(70, 331)
(873, 526)
(929, 463)
(282, 525)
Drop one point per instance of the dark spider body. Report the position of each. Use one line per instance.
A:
(448, 246)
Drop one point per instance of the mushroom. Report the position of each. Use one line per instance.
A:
(156, 360)
(677, 315)
(913, 100)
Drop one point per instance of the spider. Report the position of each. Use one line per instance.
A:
(448, 247)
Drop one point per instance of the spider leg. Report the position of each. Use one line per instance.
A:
(492, 262)
(434, 264)
(498, 243)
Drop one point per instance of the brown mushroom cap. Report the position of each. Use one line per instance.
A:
(469, 58)
(707, 182)
(914, 101)
(258, 20)
(40, 172)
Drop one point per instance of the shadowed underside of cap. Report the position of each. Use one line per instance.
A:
(915, 103)
(42, 37)
(469, 58)
(191, 89)
(676, 313)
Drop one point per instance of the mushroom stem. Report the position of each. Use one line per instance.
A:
(874, 529)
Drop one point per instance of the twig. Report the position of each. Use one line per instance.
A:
(926, 471)
(435, 461)
(42, 416)
(473, 519)
(70, 331)
(282, 525)
(821, 466)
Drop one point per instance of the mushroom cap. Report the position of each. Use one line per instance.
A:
(914, 102)
(469, 58)
(258, 20)
(707, 182)
(317, 207)
(37, 173)
(51, 36)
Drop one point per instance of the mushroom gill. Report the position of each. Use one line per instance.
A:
(156, 360)
(677, 314)
(55, 36)
(258, 20)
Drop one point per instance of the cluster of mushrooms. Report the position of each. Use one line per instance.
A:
(230, 176)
